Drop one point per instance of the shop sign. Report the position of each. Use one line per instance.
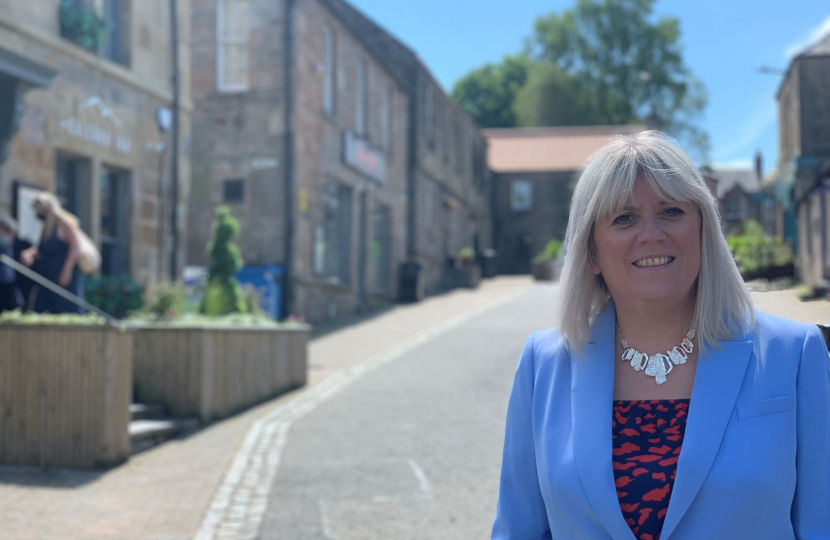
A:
(359, 154)
(104, 137)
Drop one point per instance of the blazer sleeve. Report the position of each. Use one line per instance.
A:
(810, 511)
(520, 511)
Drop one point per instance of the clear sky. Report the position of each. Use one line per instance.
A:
(725, 41)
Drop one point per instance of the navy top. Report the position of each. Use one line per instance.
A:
(647, 438)
(53, 252)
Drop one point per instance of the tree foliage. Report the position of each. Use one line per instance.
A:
(601, 62)
(488, 93)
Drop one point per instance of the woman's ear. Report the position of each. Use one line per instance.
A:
(595, 269)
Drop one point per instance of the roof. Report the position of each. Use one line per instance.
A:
(821, 48)
(549, 148)
(746, 179)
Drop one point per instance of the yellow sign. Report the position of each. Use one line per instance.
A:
(303, 200)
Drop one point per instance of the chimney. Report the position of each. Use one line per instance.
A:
(759, 170)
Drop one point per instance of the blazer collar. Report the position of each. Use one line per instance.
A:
(718, 379)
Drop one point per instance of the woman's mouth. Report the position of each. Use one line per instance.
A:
(653, 261)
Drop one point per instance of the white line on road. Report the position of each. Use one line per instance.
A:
(241, 500)
(422, 478)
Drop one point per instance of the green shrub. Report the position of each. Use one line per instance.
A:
(115, 295)
(754, 250)
(223, 294)
(553, 250)
(165, 302)
(17, 317)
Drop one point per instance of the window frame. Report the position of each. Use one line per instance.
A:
(222, 42)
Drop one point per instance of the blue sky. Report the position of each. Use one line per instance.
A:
(724, 42)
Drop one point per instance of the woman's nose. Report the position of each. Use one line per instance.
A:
(652, 230)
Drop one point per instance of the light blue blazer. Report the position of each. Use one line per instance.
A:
(755, 462)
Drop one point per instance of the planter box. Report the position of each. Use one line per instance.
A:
(65, 393)
(467, 278)
(212, 372)
(547, 270)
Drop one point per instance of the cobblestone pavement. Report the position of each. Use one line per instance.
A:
(193, 484)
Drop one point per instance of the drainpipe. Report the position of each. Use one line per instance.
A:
(288, 60)
(174, 177)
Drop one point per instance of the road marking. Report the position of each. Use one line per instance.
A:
(324, 521)
(241, 500)
(422, 478)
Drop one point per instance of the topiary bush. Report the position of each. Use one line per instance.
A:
(115, 295)
(223, 295)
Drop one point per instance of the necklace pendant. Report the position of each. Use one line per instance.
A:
(657, 368)
(677, 356)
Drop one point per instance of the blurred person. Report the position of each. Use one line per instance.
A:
(13, 287)
(56, 256)
(663, 405)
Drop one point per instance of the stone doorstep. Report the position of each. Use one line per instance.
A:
(149, 426)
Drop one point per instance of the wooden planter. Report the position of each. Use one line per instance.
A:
(212, 372)
(547, 270)
(65, 393)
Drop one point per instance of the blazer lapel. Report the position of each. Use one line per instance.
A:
(718, 380)
(592, 394)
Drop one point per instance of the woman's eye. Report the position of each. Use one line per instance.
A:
(674, 212)
(623, 219)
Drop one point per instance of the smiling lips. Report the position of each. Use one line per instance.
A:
(655, 261)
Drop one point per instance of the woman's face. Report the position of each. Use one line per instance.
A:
(649, 252)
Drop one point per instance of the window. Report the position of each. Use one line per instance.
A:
(115, 210)
(735, 208)
(329, 73)
(361, 99)
(386, 120)
(234, 190)
(333, 238)
(233, 26)
(429, 116)
(379, 251)
(72, 182)
(99, 26)
(521, 195)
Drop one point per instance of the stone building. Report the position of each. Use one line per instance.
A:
(302, 131)
(448, 182)
(335, 148)
(742, 196)
(803, 177)
(86, 110)
(535, 171)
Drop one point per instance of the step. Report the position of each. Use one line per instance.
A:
(146, 411)
(145, 434)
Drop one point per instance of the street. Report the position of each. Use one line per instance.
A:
(412, 450)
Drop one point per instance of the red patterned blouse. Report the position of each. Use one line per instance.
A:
(647, 438)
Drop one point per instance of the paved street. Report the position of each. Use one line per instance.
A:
(411, 451)
(398, 435)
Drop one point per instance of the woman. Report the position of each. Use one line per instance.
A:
(656, 326)
(56, 256)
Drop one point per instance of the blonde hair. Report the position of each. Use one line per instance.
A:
(723, 308)
(54, 213)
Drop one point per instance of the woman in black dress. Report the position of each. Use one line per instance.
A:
(56, 256)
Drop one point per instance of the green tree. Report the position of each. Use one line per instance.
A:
(551, 97)
(488, 93)
(223, 294)
(630, 64)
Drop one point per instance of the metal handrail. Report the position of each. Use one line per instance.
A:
(54, 287)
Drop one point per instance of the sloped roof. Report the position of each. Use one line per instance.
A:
(747, 179)
(821, 48)
(548, 149)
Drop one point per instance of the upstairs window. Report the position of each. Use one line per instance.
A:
(233, 32)
(99, 26)
(328, 73)
(361, 99)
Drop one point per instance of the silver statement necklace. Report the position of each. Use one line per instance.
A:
(657, 365)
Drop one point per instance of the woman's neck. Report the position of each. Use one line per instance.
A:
(655, 328)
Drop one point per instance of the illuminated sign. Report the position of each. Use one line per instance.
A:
(359, 154)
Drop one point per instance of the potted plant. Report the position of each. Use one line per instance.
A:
(547, 265)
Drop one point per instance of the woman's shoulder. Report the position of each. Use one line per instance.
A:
(548, 345)
(775, 328)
